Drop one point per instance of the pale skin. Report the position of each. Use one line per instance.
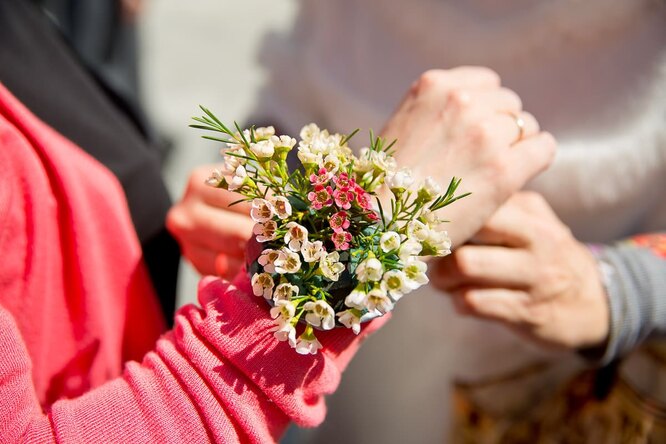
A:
(457, 122)
(526, 270)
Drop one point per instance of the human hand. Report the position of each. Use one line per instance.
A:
(530, 273)
(211, 234)
(131, 9)
(462, 123)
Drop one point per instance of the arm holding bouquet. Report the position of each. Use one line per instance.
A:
(526, 270)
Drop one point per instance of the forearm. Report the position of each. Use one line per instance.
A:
(219, 376)
(636, 287)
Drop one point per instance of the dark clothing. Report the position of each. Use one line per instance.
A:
(38, 67)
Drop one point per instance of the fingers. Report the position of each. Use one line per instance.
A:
(464, 77)
(216, 197)
(523, 220)
(201, 258)
(210, 227)
(498, 304)
(209, 262)
(531, 155)
(484, 266)
(500, 129)
(228, 266)
(490, 101)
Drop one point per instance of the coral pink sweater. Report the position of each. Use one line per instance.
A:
(76, 306)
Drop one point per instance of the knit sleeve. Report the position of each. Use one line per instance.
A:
(635, 273)
(218, 376)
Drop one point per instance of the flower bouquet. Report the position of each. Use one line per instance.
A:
(332, 254)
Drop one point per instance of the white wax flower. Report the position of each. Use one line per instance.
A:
(364, 163)
(399, 180)
(319, 314)
(389, 241)
(438, 243)
(349, 319)
(285, 291)
(285, 331)
(231, 159)
(415, 272)
(260, 133)
(356, 299)
(431, 218)
(282, 206)
(283, 142)
(288, 262)
(379, 300)
(262, 285)
(370, 270)
(238, 178)
(331, 162)
(295, 236)
(267, 259)
(330, 265)
(409, 248)
(383, 162)
(263, 149)
(283, 309)
(265, 232)
(216, 178)
(312, 251)
(262, 210)
(307, 345)
(394, 282)
(309, 131)
(417, 230)
(429, 189)
(307, 156)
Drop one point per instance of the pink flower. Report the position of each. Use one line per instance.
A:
(341, 240)
(343, 198)
(321, 197)
(372, 215)
(343, 182)
(321, 178)
(363, 198)
(339, 221)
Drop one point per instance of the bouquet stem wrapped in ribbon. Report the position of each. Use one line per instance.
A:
(331, 253)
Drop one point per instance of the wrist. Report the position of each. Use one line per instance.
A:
(595, 347)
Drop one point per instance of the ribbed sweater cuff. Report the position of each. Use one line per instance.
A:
(636, 288)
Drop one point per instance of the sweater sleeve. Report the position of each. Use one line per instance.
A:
(635, 275)
(218, 376)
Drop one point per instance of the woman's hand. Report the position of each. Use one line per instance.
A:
(211, 234)
(529, 272)
(462, 123)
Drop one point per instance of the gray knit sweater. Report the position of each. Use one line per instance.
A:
(636, 286)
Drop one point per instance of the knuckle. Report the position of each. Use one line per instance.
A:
(428, 81)
(458, 99)
(480, 71)
(480, 134)
(470, 302)
(177, 221)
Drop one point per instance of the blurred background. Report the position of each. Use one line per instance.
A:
(204, 52)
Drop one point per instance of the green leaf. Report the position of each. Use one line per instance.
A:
(217, 139)
(348, 137)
